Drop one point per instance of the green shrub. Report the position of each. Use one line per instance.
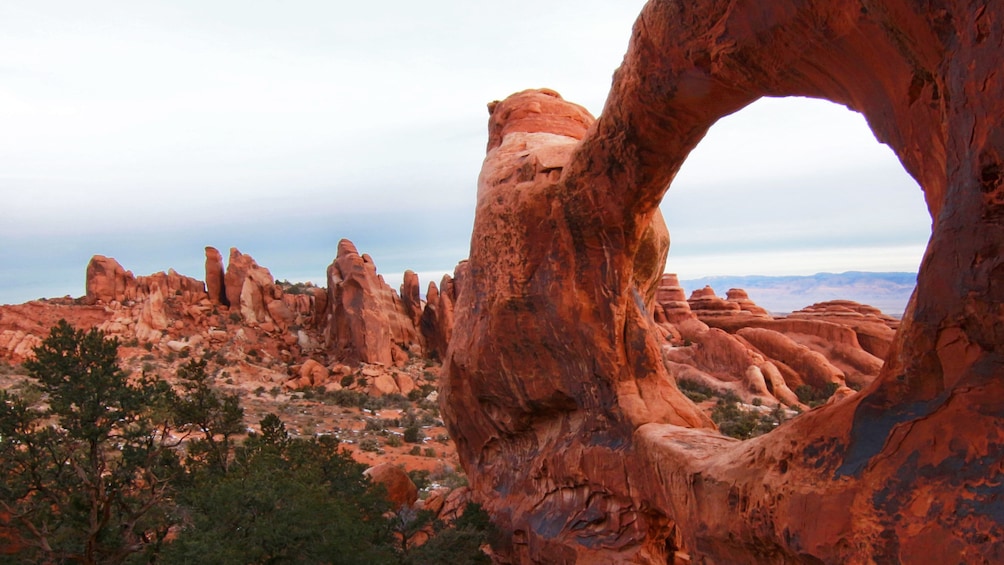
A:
(739, 423)
(370, 445)
(413, 434)
(812, 396)
(694, 390)
(420, 478)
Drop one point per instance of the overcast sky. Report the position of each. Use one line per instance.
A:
(145, 131)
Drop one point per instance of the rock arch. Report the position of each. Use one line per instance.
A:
(568, 424)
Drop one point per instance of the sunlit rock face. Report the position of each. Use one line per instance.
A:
(367, 321)
(566, 417)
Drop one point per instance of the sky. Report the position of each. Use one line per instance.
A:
(145, 131)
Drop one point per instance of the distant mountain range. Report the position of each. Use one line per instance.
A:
(888, 292)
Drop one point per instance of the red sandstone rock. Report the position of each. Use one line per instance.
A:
(237, 270)
(811, 367)
(546, 112)
(436, 324)
(401, 491)
(23, 326)
(875, 331)
(315, 373)
(411, 297)
(17, 345)
(257, 291)
(107, 281)
(705, 302)
(740, 297)
(366, 320)
(553, 387)
(215, 277)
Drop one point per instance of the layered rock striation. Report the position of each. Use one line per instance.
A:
(567, 418)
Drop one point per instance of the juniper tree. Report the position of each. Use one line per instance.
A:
(86, 479)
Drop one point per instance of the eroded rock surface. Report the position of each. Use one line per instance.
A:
(567, 419)
(367, 321)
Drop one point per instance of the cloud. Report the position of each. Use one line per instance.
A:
(147, 131)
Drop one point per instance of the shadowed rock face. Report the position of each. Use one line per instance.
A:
(567, 420)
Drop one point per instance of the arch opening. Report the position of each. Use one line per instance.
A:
(787, 220)
(791, 188)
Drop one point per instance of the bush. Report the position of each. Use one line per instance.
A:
(285, 500)
(420, 478)
(413, 434)
(346, 398)
(739, 423)
(812, 396)
(370, 445)
(694, 390)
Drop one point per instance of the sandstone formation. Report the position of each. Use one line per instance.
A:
(436, 323)
(739, 296)
(819, 345)
(367, 321)
(812, 348)
(107, 281)
(565, 416)
(401, 491)
(411, 297)
(242, 309)
(174, 313)
(874, 330)
(216, 277)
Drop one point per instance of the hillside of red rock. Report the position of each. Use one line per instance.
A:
(360, 360)
(562, 380)
(308, 354)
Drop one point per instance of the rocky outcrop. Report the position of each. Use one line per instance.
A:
(705, 304)
(715, 358)
(814, 348)
(565, 417)
(107, 281)
(436, 324)
(23, 326)
(874, 330)
(216, 277)
(238, 266)
(411, 297)
(18, 345)
(739, 296)
(367, 321)
(401, 491)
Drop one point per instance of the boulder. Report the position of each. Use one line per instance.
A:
(401, 491)
(107, 281)
(314, 373)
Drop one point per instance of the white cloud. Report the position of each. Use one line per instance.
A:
(274, 125)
